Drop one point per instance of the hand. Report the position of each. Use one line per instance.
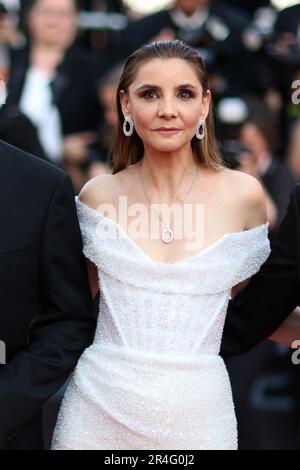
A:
(75, 146)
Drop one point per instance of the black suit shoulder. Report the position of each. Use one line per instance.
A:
(31, 182)
(16, 163)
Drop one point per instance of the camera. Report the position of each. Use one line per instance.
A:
(233, 153)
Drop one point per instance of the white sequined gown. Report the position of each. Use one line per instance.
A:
(153, 377)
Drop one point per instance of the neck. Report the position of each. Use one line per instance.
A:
(47, 47)
(168, 176)
(46, 57)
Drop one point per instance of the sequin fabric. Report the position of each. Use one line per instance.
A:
(153, 377)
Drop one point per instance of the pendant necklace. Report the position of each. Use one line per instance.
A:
(167, 234)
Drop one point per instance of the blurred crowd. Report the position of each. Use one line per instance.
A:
(61, 61)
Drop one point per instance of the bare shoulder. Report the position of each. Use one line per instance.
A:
(250, 194)
(101, 189)
(247, 186)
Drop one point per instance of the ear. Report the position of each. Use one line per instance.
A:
(125, 104)
(205, 104)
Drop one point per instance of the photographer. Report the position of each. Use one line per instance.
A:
(211, 27)
(286, 53)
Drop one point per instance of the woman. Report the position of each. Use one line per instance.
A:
(153, 378)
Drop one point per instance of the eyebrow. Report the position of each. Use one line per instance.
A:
(156, 87)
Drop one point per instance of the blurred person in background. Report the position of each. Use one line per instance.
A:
(287, 29)
(211, 27)
(100, 155)
(264, 382)
(95, 35)
(293, 153)
(286, 55)
(15, 127)
(53, 81)
(260, 134)
(10, 36)
(248, 6)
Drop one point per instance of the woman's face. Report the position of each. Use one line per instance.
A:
(166, 94)
(53, 22)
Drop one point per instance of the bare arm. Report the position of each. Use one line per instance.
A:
(272, 213)
(255, 202)
(251, 169)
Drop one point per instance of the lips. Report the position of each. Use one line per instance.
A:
(167, 129)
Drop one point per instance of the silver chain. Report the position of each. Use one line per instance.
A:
(181, 201)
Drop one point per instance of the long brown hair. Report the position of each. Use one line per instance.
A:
(129, 150)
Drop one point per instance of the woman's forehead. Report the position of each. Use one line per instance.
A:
(167, 71)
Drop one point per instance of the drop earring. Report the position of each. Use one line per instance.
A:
(128, 122)
(201, 130)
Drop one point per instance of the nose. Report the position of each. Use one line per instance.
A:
(167, 108)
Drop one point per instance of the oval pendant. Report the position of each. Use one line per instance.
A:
(167, 235)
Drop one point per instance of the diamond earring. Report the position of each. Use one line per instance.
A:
(128, 122)
(201, 130)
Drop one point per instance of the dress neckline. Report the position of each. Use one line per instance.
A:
(199, 253)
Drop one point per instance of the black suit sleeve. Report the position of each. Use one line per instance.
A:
(272, 294)
(66, 323)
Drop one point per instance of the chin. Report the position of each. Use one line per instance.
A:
(164, 146)
(167, 148)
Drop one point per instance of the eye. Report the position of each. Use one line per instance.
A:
(186, 94)
(149, 94)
